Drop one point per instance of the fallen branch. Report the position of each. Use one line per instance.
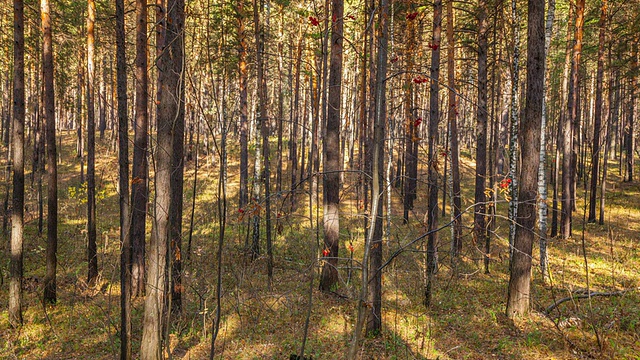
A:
(584, 295)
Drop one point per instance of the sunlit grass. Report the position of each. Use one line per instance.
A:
(467, 319)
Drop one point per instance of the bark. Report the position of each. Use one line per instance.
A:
(244, 127)
(520, 275)
(123, 185)
(560, 140)
(92, 256)
(52, 164)
(332, 154)
(432, 177)
(452, 114)
(481, 126)
(140, 169)
(542, 175)
(629, 128)
(17, 212)
(170, 114)
(569, 134)
(411, 138)
(597, 118)
(515, 125)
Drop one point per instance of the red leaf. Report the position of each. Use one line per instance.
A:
(412, 16)
(314, 21)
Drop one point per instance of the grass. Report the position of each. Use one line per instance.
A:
(466, 320)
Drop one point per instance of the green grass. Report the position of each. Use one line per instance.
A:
(466, 320)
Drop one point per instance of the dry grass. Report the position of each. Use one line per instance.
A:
(466, 321)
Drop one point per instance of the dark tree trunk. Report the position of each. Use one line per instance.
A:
(432, 180)
(170, 116)
(629, 137)
(520, 278)
(374, 320)
(481, 127)
(332, 156)
(92, 256)
(244, 127)
(597, 120)
(17, 212)
(140, 169)
(568, 161)
(452, 114)
(123, 185)
(52, 164)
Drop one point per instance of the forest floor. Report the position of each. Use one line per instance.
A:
(265, 320)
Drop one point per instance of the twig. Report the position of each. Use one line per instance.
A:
(587, 295)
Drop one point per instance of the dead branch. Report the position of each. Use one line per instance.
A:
(583, 295)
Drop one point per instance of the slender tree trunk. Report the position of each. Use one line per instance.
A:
(629, 136)
(568, 160)
(481, 126)
(542, 175)
(520, 267)
(92, 256)
(432, 178)
(332, 155)
(52, 164)
(411, 123)
(597, 119)
(17, 212)
(452, 114)
(512, 178)
(123, 185)
(244, 127)
(140, 170)
(79, 128)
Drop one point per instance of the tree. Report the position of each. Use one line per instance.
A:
(242, 84)
(52, 165)
(17, 213)
(456, 242)
(629, 137)
(481, 127)
(123, 185)
(432, 179)
(374, 319)
(568, 170)
(597, 117)
(542, 175)
(332, 155)
(520, 266)
(92, 256)
(170, 114)
(140, 170)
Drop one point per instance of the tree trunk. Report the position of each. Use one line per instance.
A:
(52, 164)
(17, 212)
(170, 115)
(244, 127)
(332, 155)
(568, 159)
(512, 178)
(542, 175)
(374, 321)
(481, 127)
(140, 169)
(123, 185)
(520, 267)
(432, 178)
(92, 256)
(629, 136)
(454, 151)
(597, 119)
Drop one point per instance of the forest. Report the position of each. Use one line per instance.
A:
(319, 179)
